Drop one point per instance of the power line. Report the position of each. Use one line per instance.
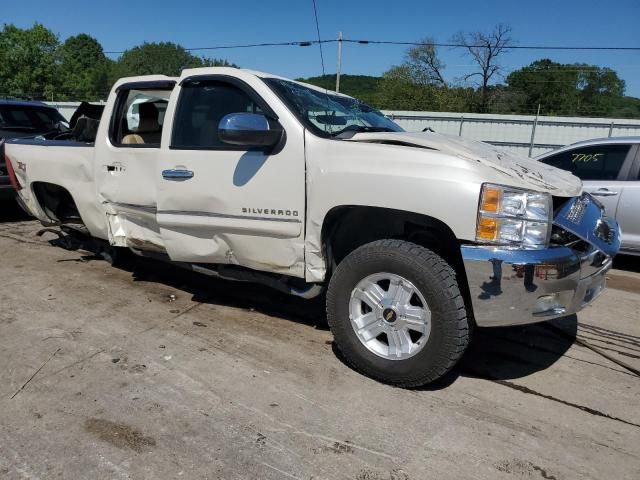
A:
(307, 43)
(301, 43)
(515, 47)
(315, 13)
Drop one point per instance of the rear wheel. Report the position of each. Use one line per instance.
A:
(397, 314)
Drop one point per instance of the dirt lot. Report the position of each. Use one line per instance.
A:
(151, 372)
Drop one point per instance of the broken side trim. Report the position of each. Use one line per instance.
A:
(223, 215)
(131, 206)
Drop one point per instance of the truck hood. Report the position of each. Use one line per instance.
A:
(516, 170)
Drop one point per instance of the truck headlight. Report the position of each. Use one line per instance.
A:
(511, 216)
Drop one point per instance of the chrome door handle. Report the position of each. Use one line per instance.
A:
(176, 174)
(604, 192)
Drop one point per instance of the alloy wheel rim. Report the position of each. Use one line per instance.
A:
(390, 316)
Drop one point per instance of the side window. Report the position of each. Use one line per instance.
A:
(139, 118)
(201, 106)
(592, 163)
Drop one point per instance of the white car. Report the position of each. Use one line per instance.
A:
(415, 237)
(610, 171)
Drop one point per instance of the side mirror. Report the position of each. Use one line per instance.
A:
(249, 130)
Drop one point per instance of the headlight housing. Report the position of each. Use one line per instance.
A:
(511, 216)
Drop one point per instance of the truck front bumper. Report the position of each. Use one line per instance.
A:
(517, 286)
(513, 287)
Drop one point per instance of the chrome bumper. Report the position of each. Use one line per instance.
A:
(514, 287)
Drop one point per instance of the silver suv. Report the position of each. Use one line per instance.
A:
(610, 170)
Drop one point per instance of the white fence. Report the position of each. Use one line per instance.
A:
(522, 133)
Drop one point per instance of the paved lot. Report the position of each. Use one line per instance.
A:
(151, 372)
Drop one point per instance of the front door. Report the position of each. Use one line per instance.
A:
(221, 203)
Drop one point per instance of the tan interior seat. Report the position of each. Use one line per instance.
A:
(148, 130)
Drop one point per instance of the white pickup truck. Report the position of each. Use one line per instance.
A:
(416, 237)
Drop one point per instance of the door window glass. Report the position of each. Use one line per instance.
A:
(599, 162)
(202, 105)
(140, 118)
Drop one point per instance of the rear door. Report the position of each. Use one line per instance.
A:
(221, 203)
(127, 159)
(629, 208)
(602, 169)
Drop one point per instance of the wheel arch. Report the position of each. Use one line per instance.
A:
(56, 202)
(348, 227)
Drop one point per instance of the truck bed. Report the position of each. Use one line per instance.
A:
(66, 165)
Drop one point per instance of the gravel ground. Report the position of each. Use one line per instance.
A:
(148, 371)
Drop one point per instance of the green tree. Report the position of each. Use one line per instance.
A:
(423, 64)
(84, 69)
(165, 58)
(362, 87)
(598, 88)
(400, 90)
(417, 83)
(28, 61)
(569, 89)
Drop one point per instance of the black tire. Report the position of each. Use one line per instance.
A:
(435, 279)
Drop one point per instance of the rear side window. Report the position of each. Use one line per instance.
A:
(602, 162)
(139, 118)
(201, 107)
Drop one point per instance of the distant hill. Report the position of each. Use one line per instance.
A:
(363, 87)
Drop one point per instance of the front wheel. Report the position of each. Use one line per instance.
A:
(397, 314)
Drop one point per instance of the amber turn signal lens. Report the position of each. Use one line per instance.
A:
(490, 200)
(487, 229)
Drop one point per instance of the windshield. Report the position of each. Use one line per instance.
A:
(30, 118)
(330, 114)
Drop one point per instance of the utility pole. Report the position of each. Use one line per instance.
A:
(339, 62)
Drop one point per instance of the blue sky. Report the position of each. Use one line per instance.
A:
(119, 25)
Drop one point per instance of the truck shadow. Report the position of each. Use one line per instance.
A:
(495, 354)
(629, 263)
(244, 295)
(508, 353)
(10, 212)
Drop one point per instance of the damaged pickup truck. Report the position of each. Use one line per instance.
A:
(416, 237)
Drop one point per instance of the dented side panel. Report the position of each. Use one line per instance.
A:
(126, 187)
(71, 167)
(239, 207)
(414, 180)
